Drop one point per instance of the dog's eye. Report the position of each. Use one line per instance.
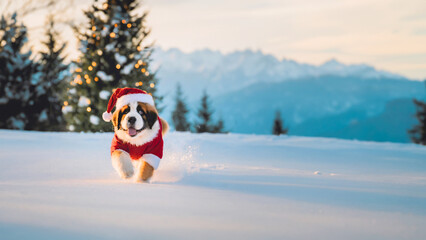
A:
(127, 110)
(140, 111)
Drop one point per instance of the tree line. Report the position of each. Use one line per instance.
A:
(205, 121)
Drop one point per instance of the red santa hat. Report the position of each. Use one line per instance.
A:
(124, 96)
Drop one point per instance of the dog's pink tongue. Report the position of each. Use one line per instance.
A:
(132, 131)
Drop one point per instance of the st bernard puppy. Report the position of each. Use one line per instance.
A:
(137, 146)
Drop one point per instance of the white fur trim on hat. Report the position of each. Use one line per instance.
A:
(106, 116)
(135, 97)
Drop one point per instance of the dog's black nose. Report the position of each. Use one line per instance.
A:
(132, 120)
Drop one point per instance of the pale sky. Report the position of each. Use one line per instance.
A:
(388, 34)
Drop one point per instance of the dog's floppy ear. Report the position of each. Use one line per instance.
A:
(151, 117)
(115, 118)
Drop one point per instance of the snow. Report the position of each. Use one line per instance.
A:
(56, 185)
(94, 119)
(109, 47)
(66, 109)
(127, 69)
(104, 77)
(83, 101)
(43, 116)
(17, 123)
(120, 58)
(104, 94)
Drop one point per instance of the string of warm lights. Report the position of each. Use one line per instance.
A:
(88, 72)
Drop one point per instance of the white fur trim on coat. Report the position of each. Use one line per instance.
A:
(152, 160)
(135, 97)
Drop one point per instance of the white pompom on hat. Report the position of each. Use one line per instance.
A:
(124, 96)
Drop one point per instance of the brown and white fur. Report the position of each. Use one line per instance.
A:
(143, 118)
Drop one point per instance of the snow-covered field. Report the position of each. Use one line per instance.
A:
(62, 186)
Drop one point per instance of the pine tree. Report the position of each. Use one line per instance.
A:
(205, 116)
(19, 77)
(418, 133)
(179, 114)
(53, 75)
(112, 56)
(278, 128)
(219, 127)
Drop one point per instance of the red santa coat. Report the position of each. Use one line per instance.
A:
(152, 151)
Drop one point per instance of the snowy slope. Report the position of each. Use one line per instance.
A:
(61, 186)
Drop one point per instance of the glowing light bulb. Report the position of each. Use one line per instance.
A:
(129, 25)
(118, 66)
(143, 70)
(65, 103)
(94, 64)
(89, 109)
(136, 65)
(140, 62)
(94, 28)
(139, 48)
(123, 21)
(112, 35)
(152, 85)
(90, 68)
(96, 79)
(78, 69)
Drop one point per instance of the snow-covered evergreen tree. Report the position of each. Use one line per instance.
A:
(278, 127)
(206, 120)
(54, 73)
(113, 55)
(179, 117)
(418, 133)
(19, 77)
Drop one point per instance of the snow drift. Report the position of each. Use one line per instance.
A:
(62, 185)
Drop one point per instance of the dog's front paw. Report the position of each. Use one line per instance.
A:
(126, 171)
(145, 172)
(122, 164)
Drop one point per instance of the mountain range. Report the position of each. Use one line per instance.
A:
(332, 100)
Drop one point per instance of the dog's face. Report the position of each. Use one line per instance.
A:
(135, 122)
